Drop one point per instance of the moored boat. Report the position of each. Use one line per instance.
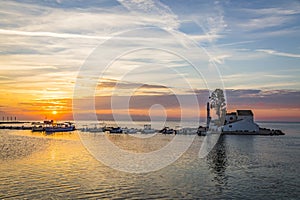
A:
(97, 128)
(113, 129)
(167, 130)
(147, 129)
(40, 126)
(130, 130)
(60, 127)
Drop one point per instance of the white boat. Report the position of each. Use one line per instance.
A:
(130, 130)
(60, 127)
(97, 128)
(40, 126)
(185, 131)
(111, 129)
(147, 129)
(37, 127)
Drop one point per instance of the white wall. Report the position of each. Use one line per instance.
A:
(243, 125)
(245, 117)
(228, 120)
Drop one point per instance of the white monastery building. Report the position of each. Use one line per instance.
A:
(240, 121)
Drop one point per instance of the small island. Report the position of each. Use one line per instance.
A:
(242, 122)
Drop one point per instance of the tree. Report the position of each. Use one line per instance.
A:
(217, 101)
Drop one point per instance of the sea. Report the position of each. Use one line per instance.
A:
(35, 165)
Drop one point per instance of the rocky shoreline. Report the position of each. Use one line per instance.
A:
(262, 131)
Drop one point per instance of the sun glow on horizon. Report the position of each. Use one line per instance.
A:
(54, 112)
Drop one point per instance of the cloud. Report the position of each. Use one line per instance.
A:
(89, 23)
(205, 37)
(211, 23)
(61, 104)
(112, 87)
(219, 58)
(263, 99)
(262, 80)
(272, 13)
(49, 34)
(236, 43)
(274, 10)
(152, 11)
(264, 22)
(110, 83)
(277, 53)
(236, 99)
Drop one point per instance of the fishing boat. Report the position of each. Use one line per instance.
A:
(97, 128)
(130, 130)
(40, 126)
(60, 127)
(147, 129)
(113, 129)
(37, 127)
(185, 131)
(167, 130)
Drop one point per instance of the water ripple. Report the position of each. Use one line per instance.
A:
(59, 167)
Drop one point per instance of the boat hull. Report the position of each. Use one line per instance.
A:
(66, 129)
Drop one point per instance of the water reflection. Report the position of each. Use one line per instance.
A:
(217, 162)
(57, 166)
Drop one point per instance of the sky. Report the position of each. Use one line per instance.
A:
(148, 58)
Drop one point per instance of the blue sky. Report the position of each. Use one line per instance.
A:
(255, 45)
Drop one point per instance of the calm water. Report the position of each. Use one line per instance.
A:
(35, 166)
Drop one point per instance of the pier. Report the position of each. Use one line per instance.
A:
(14, 122)
(15, 125)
